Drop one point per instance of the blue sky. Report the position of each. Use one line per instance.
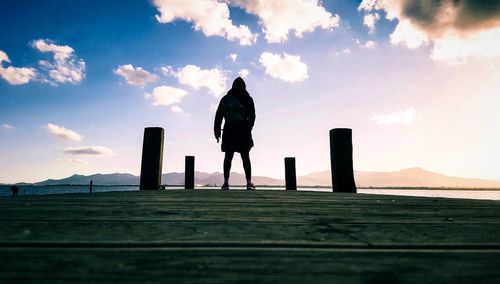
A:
(415, 94)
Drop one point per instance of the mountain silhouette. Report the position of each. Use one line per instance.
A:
(412, 177)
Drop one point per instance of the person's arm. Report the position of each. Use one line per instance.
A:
(218, 121)
(251, 114)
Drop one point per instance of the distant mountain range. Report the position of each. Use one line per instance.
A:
(168, 178)
(413, 177)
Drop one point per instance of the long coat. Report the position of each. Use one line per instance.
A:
(237, 133)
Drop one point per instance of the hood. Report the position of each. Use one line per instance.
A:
(239, 84)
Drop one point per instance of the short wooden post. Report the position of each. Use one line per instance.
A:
(189, 172)
(90, 186)
(290, 175)
(152, 158)
(341, 160)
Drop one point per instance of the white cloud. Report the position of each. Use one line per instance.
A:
(453, 48)
(214, 80)
(135, 75)
(243, 73)
(4, 57)
(400, 117)
(233, 56)
(407, 34)
(89, 150)
(367, 5)
(7, 126)
(167, 71)
(391, 7)
(66, 67)
(63, 133)
(165, 96)
(370, 44)
(209, 16)
(285, 67)
(280, 17)
(455, 30)
(177, 109)
(75, 161)
(345, 51)
(370, 20)
(15, 75)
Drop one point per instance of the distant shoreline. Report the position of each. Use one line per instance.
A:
(272, 186)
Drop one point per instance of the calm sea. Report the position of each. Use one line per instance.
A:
(468, 194)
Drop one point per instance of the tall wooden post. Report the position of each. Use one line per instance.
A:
(341, 160)
(90, 186)
(189, 172)
(152, 158)
(290, 176)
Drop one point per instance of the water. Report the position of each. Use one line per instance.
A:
(468, 194)
(40, 190)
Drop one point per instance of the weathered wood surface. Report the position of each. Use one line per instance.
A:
(212, 236)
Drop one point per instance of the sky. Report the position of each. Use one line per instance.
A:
(417, 81)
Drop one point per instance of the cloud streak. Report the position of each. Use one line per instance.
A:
(400, 117)
(63, 133)
(7, 126)
(75, 161)
(136, 76)
(90, 150)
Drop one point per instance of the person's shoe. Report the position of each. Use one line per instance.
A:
(225, 186)
(250, 186)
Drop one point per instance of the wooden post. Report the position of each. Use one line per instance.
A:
(152, 158)
(90, 186)
(189, 172)
(341, 160)
(290, 176)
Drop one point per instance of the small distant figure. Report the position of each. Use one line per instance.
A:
(14, 189)
(238, 111)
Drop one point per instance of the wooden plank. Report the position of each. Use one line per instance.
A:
(262, 232)
(211, 265)
(240, 209)
(270, 236)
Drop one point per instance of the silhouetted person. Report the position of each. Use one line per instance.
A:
(14, 189)
(238, 111)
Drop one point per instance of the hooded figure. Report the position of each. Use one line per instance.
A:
(238, 111)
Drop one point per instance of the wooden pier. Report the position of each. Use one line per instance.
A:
(210, 236)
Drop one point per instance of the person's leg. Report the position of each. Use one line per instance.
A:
(228, 158)
(247, 165)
